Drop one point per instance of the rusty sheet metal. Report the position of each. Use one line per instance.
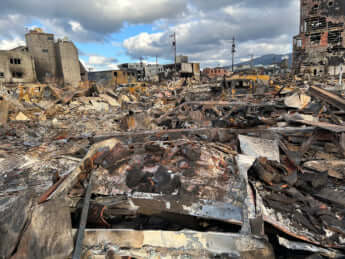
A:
(153, 204)
(183, 177)
(293, 245)
(72, 178)
(287, 225)
(168, 244)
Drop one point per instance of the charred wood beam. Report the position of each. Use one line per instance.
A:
(130, 137)
(328, 97)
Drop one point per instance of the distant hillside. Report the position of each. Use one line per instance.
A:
(267, 60)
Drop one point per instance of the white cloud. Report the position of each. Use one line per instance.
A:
(11, 44)
(76, 26)
(205, 34)
(97, 62)
(204, 28)
(98, 17)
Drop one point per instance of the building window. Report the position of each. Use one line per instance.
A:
(334, 37)
(15, 61)
(2, 75)
(50, 38)
(115, 73)
(315, 38)
(44, 50)
(17, 74)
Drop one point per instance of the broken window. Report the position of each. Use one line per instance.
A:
(334, 37)
(315, 23)
(335, 25)
(330, 4)
(15, 61)
(115, 73)
(2, 75)
(315, 38)
(45, 50)
(17, 74)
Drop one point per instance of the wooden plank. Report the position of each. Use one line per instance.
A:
(328, 97)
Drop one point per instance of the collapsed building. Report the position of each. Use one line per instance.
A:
(319, 49)
(44, 60)
(157, 72)
(17, 66)
(113, 77)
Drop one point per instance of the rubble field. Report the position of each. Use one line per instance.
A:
(183, 169)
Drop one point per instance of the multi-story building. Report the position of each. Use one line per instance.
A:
(319, 49)
(42, 47)
(152, 72)
(17, 66)
(138, 68)
(44, 60)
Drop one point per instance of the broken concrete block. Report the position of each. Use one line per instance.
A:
(3, 111)
(49, 234)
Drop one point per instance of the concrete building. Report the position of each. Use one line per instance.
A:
(319, 49)
(44, 60)
(139, 68)
(153, 71)
(42, 47)
(187, 70)
(68, 66)
(17, 66)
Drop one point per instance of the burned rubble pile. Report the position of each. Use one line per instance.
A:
(176, 170)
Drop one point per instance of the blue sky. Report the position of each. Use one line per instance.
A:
(110, 32)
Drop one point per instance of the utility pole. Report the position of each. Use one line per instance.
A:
(173, 36)
(233, 51)
(156, 60)
(251, 60)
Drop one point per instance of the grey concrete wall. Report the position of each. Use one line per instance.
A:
(68, 62)
(42, 48)
(26, 67)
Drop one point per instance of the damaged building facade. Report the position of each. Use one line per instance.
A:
(319, 49)
(17, 66)
(44, 60)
